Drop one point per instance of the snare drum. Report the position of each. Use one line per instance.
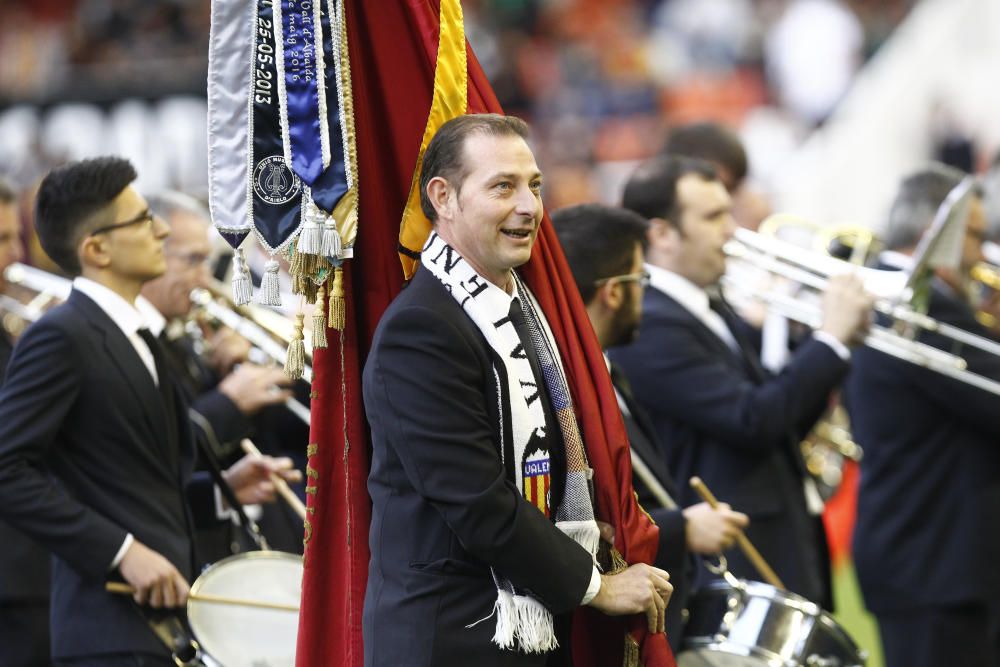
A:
(751, 624)
(247, 636)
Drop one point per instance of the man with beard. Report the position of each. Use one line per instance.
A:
(696, 369)
(604, 248)
(483, 531)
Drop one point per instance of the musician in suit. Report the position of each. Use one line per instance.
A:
(480, 531)
(225, 392)
(925, 542)
(24, 565)
(95, 445)
(604, 248)
(695, 368)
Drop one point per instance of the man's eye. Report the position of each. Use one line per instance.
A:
(536, 186)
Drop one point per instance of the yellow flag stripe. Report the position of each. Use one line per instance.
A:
(450, 100)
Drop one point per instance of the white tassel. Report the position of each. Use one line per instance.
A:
(535, 630)
(269, 294)
(310, 239)
(331, 239)
(242, 287)
(584, 533)
(506, 613)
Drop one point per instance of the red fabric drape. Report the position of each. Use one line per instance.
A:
(393, 46)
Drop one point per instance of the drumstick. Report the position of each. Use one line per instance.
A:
(280, 485)
(748, 549)
(125, 589)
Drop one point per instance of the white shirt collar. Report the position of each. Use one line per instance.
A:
(121, 312)
(154, 320)
(682, 290)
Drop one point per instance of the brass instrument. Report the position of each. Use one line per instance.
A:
(812, 269)
(30, 292)
(986, 283)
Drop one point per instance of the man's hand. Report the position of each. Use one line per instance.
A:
(847, 308)
(226, 349)
(155, 579)
(252, 387)
(639, 589)
(711, 531)
(250, 477)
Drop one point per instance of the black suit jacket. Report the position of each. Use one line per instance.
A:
(24, 565)
(79, 403)
(722, 420)
(672, 553)
(443, 510)
(929, 497)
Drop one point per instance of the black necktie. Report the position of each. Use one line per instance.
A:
(717, 302)
(165, 385)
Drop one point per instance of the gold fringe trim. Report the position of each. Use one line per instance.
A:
(618, 563)
(338, 307)
(632, 657)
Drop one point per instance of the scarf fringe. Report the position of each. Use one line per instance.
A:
(523, 622)
(584, 533)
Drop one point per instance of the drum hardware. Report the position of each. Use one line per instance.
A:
(748, 549)
(234, 630)
(739, 623)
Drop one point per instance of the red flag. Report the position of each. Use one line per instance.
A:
(393, 50)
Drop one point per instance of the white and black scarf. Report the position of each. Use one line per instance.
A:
(522, 621)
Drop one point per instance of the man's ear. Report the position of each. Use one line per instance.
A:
(93, 252)
(439, 192)
(610, 295)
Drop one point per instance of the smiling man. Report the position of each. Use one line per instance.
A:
(483, 534)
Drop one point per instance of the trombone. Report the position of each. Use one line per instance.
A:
(50, 288)
(812, 269)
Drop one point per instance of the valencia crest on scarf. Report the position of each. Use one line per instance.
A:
(522, 621)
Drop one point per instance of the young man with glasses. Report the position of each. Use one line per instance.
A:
(604, 248)
(695, 369)
(89, 402)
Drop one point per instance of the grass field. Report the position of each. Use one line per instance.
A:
(851, 613)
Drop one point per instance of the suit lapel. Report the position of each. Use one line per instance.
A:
(702, 332)
(125, 360)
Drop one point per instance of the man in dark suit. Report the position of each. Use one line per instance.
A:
(226, 392)
(697, 372)
(925, 543)
(604, 248)
(95, 445)
(450, 525)
(24, 565)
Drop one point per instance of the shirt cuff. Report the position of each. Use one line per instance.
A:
(222, 510)
(593, 589)
(839, 348)
(121, 551)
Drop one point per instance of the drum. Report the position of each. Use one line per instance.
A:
(252, 635)
(751, 624)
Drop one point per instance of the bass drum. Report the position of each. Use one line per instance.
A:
(751, 624)
(245, 635)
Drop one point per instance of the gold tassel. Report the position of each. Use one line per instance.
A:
(319, 319)
(296, 362)
(338, 308)
(632, 655)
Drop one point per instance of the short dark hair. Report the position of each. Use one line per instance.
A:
(917, 201)
(444, 156)
(712, 142)
(69, 201)
(599, 242)
(651, 191)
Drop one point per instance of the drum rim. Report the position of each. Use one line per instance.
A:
(199, 582)
(730, 648)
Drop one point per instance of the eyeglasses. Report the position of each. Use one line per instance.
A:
(641, 277)
(145, 216)
(191, 260)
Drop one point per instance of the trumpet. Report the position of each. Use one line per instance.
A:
(31, 292)
(812, 269)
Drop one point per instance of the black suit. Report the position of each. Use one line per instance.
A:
(929, 499)
(443, 510)
(672, 553)
(24, 584)
(79, 403)
(722, 419)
